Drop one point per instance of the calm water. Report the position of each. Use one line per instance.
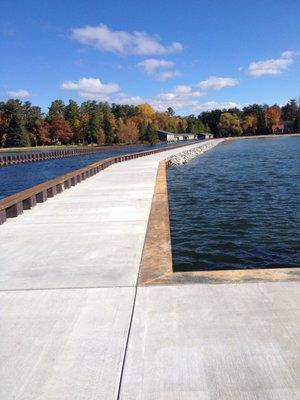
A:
(19, 177)
(237, 206)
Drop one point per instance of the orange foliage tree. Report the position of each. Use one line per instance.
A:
(272, 116)
(127, 131)
(249, 124)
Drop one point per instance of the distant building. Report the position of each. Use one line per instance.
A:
(165, 136)
(283, 127)
(188, 136)
(205, 135)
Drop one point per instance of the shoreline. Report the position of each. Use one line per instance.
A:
(113, 146)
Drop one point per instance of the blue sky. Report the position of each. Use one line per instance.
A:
(190, 55)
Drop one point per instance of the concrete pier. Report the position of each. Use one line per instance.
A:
(75, 325)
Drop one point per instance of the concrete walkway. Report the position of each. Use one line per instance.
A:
(74, 326)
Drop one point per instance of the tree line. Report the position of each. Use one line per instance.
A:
(253, 119)
(23, 124)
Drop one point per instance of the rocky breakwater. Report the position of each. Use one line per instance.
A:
(187, 155)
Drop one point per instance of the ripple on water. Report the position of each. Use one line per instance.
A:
(236, 206)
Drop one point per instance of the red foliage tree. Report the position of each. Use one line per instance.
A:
(60, 130)
(42, 134)
(3, 127)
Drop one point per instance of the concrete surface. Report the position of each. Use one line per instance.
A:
(68, 273)
(63, 344)
(236, 341)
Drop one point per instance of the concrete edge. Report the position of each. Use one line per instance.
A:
(156, 267)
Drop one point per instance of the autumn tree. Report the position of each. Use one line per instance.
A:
(59, 130)
(95, 122)
(146, 109)
(3, 127)
(272, 116)
(182, 125)
(42, 134)
(229, 125)
(249, 124)
(259, 112)
(127, 131)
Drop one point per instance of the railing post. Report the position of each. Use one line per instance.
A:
(41, 196)
(29, 203)
(2, 216)
(51, 192)
(59, 188)
(67, 184)
(14, 210)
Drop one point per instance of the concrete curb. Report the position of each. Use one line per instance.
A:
(156, 266)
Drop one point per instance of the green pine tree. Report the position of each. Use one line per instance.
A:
(151, 134)
(297, 123)
(16, 132)
(94, 128)
(109, 128)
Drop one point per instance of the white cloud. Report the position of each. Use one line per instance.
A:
(122, 42)
(186, 97)
(164, 76)
(186, 90)
(21, 93)
(272, 66)
(289, 54)
(214, 105)
(181, 97)
(152, 64)
(123, 98)
(91, 88)
(217, 83)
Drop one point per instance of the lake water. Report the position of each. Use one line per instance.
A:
(237, 206)
(16, 178)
